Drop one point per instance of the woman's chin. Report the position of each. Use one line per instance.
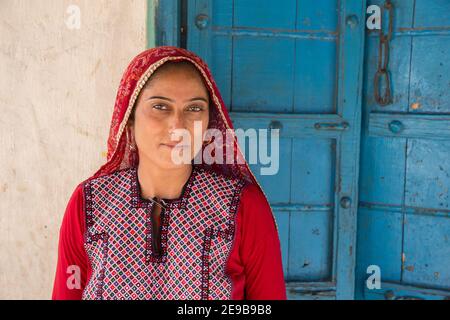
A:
(169, 163)
(177, 157)
(168, 158)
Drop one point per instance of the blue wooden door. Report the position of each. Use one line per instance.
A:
(403, 219)
(297, 66)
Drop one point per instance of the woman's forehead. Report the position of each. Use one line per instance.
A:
(177, 71)
(177, 67)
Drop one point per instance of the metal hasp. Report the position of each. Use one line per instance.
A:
(331, 126)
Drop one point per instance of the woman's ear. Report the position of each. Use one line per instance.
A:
(131, 127)
(130, 122)
(130, 134)
(130, 130)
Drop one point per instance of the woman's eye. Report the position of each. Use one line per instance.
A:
(195, 108)
(160, 107)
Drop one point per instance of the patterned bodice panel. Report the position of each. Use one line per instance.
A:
(197, 232)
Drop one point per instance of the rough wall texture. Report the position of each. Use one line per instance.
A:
(57, 91)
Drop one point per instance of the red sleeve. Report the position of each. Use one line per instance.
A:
(259, 248)
(71, 269)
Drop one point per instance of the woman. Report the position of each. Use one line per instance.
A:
(145, 226)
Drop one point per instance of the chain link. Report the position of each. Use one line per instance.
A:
(382, 73)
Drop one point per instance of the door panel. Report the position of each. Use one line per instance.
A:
(310, 260)
(260, 83)
(403, 220)
(426, 251)
(430, 81)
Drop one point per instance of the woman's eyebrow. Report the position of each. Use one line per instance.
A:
(198, 98)
(160, 97)
(168, 99)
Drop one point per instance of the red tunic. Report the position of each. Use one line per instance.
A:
(254, 265)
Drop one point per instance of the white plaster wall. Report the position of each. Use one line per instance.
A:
(57, 91)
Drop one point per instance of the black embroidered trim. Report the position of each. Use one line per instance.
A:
(150, 256)
(180, 203)
(186, 192)
(229, 233)
(101, 276)
(136, 200)
(88, 209)
(91, 238)
(212, 233)
(205, 263)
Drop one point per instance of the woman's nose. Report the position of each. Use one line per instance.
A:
(177, 121)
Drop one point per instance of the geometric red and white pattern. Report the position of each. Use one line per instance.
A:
(197, 233)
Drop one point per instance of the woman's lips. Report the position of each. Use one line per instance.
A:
(174, 145)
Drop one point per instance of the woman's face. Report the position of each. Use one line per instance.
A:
(174, 98)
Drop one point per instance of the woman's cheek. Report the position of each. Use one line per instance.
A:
(151, 120)
(147, 133)
(151, 114)
(197, 139)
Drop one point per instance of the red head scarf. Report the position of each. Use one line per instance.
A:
(120, 153)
